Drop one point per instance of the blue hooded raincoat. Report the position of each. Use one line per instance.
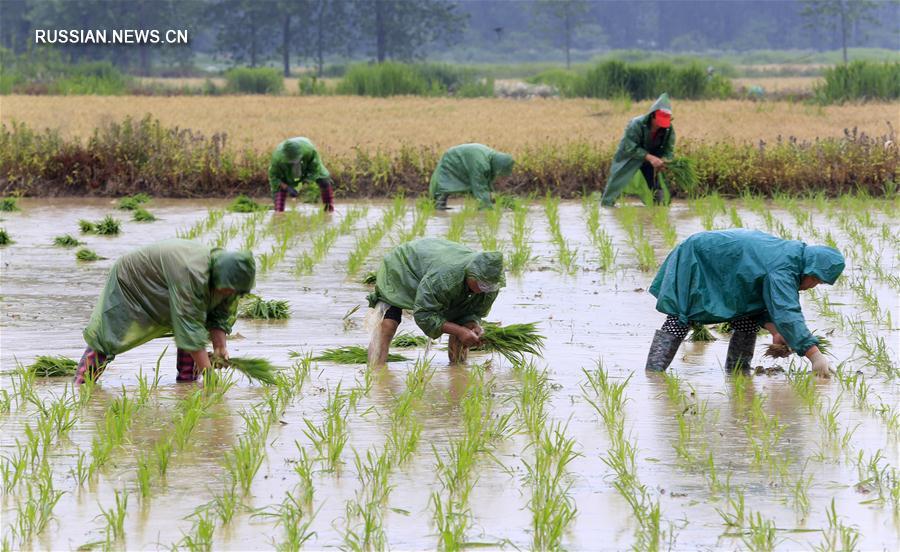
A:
(719, 276)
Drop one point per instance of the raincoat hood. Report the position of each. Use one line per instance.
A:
(487, 268)
(233, 270)
(825, 263)
(662, 102)
(291, 151)
(502, 164)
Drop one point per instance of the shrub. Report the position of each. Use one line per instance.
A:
(311, 86)
(254, 80)
(860, 80)
(382, 80)
(614, 78)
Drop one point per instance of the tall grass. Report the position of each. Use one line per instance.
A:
(254, 80)
(860, 80)
(642, 81)
(395, 79)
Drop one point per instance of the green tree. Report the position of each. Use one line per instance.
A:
(565, 16)
(842, 14)
(401, 28)
(246, 28)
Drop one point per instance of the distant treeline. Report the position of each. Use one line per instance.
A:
(143, 156)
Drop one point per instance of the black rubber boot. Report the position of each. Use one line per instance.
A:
(740, 351)
(662, 351)
(441, 203)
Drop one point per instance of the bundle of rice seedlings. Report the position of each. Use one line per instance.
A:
(243, 204)
(256, 369)
(352, 354)
(66, 240)
(725, 328)
(512, 341)
(257, 308)
(86, 255)
(133, 202)
(4, 237)
(47, 366)
(681, 173)
(407, 339)
(143, 215)
(309, 193)
(369, 279)
(107, 226)
(9, 204)
(699, 332)
(783, 351)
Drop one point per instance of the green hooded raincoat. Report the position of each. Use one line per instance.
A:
(167, 288)
(728, 274)
(427, 276)
(294, 162)
(631, 151)
(470, 168)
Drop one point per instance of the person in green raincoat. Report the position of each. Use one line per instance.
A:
(448, 287)
(745, 277)
(469, 169)
(294, 162)
(173, 287)
(649, 142)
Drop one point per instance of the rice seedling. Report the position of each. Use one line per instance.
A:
(303, 468)
(352, 354)
(257, 370)
(9, 204)
(552, 509)
(329, 438)
(838, 536)
(459, 220)
(760, 534)
(736, 221)
(226, 504)
(46, 366)
(521, 238)
(4, 237)
(5, 401)
(243, 204)
(566, 256)
(777, 350)
(142, 215)
(115, 516)
(407, 339)
(200, 538)
(700, 333)
(133, 202)
(513, 341)
(374, 235)
(143, 475)
(80, 472)
(424, 210)
(212, 219)
(295, 522)
(86, 255)
(255, 307)
(738, 514)
(37, 511)
(369, 278)
(244, 461)
(680, 172)
(66, 240)
(660, 220)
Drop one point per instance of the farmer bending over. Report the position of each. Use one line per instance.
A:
(294, 162)
(748, 278)
(170, 287)
(447, 286)
(649, 142)
(468, 169)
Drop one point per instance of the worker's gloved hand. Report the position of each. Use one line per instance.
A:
(820, 365)
(327, 193)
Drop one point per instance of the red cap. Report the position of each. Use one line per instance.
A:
(663, 118)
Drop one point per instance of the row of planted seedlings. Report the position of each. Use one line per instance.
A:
(600, 238)
(325, 240)
(483, 428)
(608, 398)
(459, 220)
(520, 238)
(372, 237)
(630, 218)
(565, 254)
(424, 210)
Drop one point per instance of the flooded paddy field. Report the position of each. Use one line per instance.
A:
(580, 449)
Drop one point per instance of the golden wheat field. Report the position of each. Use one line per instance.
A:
(340, 124)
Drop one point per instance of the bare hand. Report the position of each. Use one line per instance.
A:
(468, 338)
(778, 339)
(657, 163)
(475, 327)
(283, 186)
(221, 352)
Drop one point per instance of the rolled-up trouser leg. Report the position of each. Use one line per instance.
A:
(326, 192)
(91, 365)
(184, 363)
(665, 344)
(743, 341)
(280, 198)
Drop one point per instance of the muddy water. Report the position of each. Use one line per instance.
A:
(47, 298)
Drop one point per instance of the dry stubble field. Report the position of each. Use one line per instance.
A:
(340, 124)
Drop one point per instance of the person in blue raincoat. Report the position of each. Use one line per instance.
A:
(745, 277)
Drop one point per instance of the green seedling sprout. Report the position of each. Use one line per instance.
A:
(86, 255)
(4, 237)
(142, 215)
(243, 204)
(256, 308)
(9, 204)
(133, 202)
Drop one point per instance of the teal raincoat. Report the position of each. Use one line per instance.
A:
(728, 274)
(470, 168)
(427, 276)
(294, 162)
(631, 151)
(167, 288)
